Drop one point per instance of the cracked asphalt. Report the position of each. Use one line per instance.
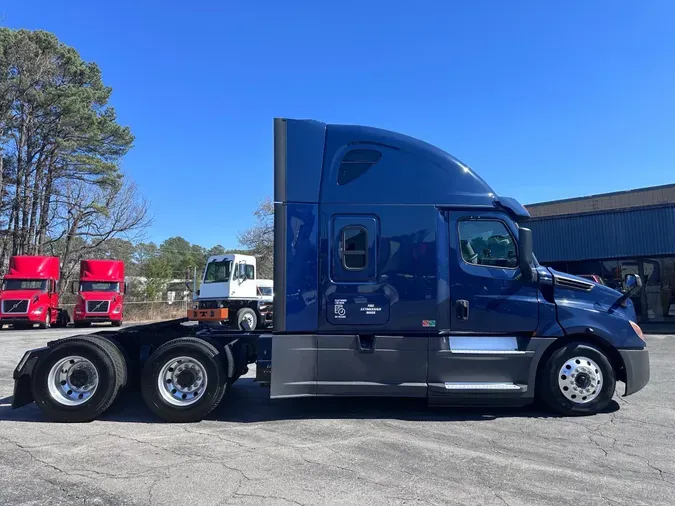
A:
(255, 451)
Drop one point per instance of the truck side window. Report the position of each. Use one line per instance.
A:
(354, 248)
(487, 242)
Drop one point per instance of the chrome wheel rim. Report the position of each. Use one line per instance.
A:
(182, 381)
(248, 317)
(72, 381)
(580, 380)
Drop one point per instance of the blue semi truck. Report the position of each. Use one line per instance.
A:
(398, 272)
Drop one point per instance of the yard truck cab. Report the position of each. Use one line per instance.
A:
(265, 290)
(100, 293)
(30, 293)
(229, 293)
(398, 272)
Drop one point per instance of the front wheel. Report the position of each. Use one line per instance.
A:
(184, 379)
(48, 321)
(577, 379)
(247, 317)
(116, 323)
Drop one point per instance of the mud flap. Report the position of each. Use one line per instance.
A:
(22, 374)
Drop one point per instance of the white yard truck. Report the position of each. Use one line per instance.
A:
(230, 293)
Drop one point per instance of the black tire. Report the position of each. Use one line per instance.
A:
(549, 391)
(215, 365)
(247, 312)
(110, 367)
(62, 320)
(81, 324)
(116, 323)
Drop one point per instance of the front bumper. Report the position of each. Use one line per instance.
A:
(20, 320)
(636, 363)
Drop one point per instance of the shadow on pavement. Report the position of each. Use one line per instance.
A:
(247, 402)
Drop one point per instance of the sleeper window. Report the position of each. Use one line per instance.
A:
(354, 248)
(487, 242)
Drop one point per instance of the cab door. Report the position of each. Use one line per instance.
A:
(488, 294)
(493, 311)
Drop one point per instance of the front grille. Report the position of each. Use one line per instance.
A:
(98, 306)
(15, 306)
(208, 304)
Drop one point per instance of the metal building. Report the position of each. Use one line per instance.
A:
(611, 235)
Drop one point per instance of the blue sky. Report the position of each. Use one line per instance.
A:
(544, 100)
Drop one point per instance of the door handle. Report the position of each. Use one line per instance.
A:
(462, 309)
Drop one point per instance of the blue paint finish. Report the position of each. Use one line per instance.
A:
(406, 266)
(443, 296)
(357, 310)
(338, 272)
(596, 309)
(298, 176)
(301, 267)
(409, 172)
(498, 300)
(615, 234)
(513, 207)
(402, 305)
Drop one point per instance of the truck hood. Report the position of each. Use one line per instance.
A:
(20, 294)
(579, 295)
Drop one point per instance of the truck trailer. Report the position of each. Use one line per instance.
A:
(100, 293)
(30, 293)
(398, 272)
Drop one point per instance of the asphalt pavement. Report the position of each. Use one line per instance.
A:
(255, 451)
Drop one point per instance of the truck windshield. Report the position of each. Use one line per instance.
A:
(218, 272)
(99, 286)
(25, 284)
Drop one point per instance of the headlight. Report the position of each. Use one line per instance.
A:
(637, 330)
(117, 309)
(195, 305)
(38, 310)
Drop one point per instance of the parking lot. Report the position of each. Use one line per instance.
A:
(325, 451)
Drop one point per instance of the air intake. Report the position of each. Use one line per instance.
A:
(574, 284)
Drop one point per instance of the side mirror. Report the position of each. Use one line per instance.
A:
(73, 287)
(124, 287)
(526, 256)
(241, 270)
(197, 292)
(632, 283)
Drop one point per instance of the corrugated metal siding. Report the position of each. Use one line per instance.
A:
(617, 234)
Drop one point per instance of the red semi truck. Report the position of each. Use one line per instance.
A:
(29, 293)
(100, 293)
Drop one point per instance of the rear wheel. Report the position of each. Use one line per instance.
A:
(184, 379)
(248, 316)
(577, 379)
(79, 378)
